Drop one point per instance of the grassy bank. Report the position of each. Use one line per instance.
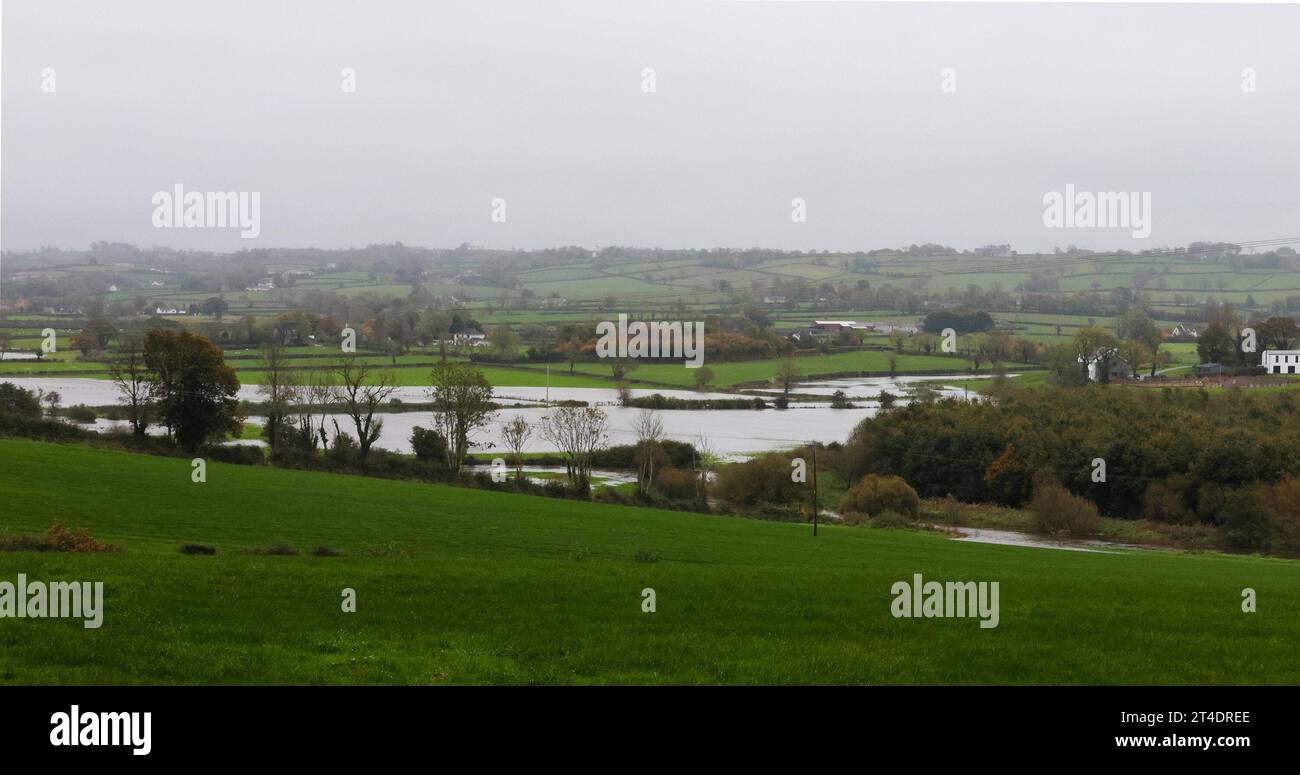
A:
(465, 586)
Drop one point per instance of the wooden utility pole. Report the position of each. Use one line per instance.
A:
(815, 509)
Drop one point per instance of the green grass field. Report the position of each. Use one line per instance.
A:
(465, 586)
(413, 369)
(730, 373)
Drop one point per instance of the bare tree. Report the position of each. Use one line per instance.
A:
(649, 430)
(131, 377)
(462, 403)
(310, 400)
(706, 460)
(516, 432)
(279, 387)
(787, 374)
(577, 431)
(359, 394)
(53, 399)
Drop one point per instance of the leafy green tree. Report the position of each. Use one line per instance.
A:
(1090, 344)
(462, 403)
(1217, 345)
(194, 389)
(1137, 326)
(18, 402)
(703, 376)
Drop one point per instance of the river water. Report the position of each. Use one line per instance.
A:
(731, 432)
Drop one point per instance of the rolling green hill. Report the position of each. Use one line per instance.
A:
(466, 586)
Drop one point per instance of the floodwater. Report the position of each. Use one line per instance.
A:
(872, 387)
(730, 432)
(981, 535)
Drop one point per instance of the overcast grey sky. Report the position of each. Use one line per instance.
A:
(541, 104)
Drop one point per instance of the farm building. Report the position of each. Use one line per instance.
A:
(470, 336)
(1106, 365)
(806, 336)
(1281, 361)
(839, 325)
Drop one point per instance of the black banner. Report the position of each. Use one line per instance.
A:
(143, 725)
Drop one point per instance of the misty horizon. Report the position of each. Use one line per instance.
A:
(754, 105)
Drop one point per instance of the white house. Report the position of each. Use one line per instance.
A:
(1106, 365)
(1281, 361)
(470, 336)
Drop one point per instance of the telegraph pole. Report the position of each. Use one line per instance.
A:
(814, 457)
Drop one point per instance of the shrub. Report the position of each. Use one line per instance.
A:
(875, 494)
(77, 540)
(1055, 510)
(239, 454)
(950, 510)
(761, 479)
(1246, 523)
(428, 445)
(676, 483)
(325, 551)
(1166, 501)
(344, 449)
(18, 402)
(891, 519)
(1209, 502)
(81, 413)
(644, 555)
(197, 549)
(291, 440)
(43, 430)
(1281, 501)
(59, 538)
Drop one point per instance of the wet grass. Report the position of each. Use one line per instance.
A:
(466, 586)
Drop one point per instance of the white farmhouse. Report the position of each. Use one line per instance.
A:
(1281, 361)
(1106, 365)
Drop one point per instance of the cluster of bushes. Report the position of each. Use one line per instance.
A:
(1169, 455)
(960, 320)
(678, 454)
(59, 538)
(673, 489)
(38, 429)
(886, 498)
(279, 549)
(657, 401)
(1057, 512)
(761, 482)
(240, 454)
(80, 413)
